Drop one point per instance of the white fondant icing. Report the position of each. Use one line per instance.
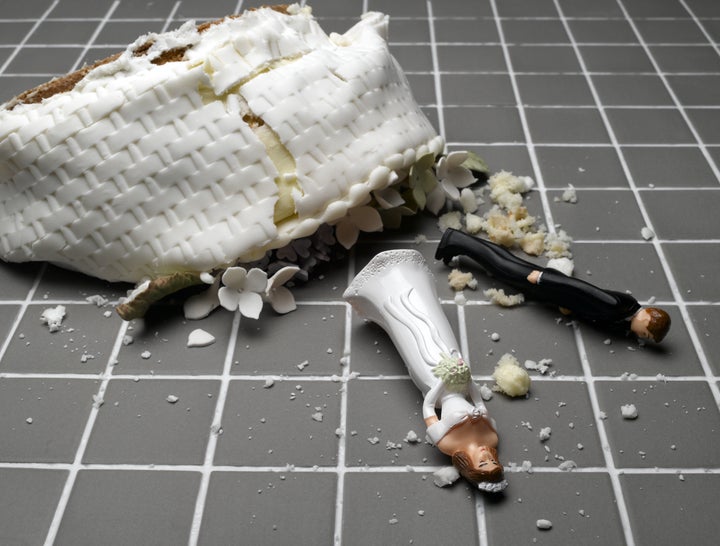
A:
(144, 170)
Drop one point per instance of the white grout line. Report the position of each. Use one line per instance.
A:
(437, 81)
(170, 17)
(678, 105)
(465, 351)
(214, 434)
(94, 36)
(343, 427)
(360, 469)
(27, 36)
(604, 441)
(620, 499)
(714, 388)
(538, 177)
(341, 469)
(77, 465)
(701, 26)
(24, 304)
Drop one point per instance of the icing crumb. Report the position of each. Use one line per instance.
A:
(629, 411)
(460, 298)
(486, 392)
(53, 317)
(544, 524)
(510, 377)
(569, 195)
(411, 437)
(172, 399)
(460, 281)
(567, 465)
(647, 233)
(563, 265)
(543, 366)
(445, 476)
(499, 297)
(98, 300)
(200, 338)
(145, 355)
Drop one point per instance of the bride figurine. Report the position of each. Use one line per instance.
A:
(396, 290)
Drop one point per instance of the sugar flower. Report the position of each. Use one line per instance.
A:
(279, 296)
(243, 290)
(364, 218)
(452, 177)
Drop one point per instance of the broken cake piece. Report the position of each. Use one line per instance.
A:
(206, 147)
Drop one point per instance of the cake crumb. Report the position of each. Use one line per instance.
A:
(510, 377)
(450, 220)
(499, 297)
(473, 223)
(459, 280)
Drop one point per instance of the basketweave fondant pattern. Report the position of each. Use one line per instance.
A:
(147, 168)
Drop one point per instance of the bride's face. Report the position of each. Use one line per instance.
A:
(483, 459)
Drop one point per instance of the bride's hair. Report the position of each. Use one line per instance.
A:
(463, 462)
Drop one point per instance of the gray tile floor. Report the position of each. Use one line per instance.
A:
(616, 97)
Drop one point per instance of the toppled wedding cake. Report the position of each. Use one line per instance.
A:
(206, 147)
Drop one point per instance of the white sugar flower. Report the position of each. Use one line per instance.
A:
(452, 177)
(242, 290)
(364, 218)
(278, 295)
